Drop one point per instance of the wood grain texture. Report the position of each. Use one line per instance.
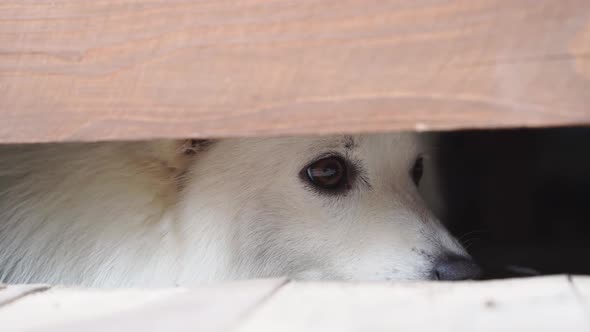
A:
(71, 305)
(555, 303)
(11, 293)
(132, 69)
(207, 308)
(532, 304)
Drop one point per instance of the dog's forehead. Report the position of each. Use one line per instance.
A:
(367, 144)
(339, 142)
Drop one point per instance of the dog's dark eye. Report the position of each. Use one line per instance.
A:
(328, 173)
(417, 170)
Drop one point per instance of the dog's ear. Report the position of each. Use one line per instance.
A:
(194, 146)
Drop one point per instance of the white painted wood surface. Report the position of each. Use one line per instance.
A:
(210, 308)
(539, 304)
(9, 294)
(581, 287)
(555, 303)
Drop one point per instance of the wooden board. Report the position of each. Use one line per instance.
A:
(539, 304)
(131, 69)
(210, 308)
(13, 293)
(558, 303)
(581, 287)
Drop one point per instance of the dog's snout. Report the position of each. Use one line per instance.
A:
(456, 268)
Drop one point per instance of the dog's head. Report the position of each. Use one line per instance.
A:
(340, 207)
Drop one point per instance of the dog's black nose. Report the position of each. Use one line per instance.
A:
(456, 268)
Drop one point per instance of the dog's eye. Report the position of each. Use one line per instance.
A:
(328, 173)
(417, 170)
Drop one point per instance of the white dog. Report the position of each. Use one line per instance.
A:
(168, 213)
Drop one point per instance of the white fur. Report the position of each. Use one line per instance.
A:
(146, 214)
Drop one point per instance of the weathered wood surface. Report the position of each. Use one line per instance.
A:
(213, 308)
(558, 303)
(539, 304)
(131, 69)
(9, 294)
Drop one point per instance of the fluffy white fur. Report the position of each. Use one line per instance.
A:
(152, 214)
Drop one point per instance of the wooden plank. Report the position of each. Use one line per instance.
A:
(537, 304)
(207, 308)
(63, 305)
(581, 287)
(12, 293)
(131, 69)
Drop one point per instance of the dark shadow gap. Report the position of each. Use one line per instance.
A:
(520, 199)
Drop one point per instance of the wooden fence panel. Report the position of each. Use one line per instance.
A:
(132, 69)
